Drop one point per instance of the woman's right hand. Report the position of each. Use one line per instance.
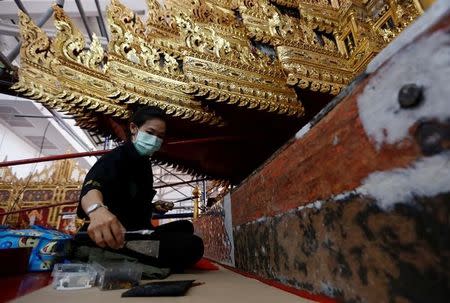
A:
(105, 229)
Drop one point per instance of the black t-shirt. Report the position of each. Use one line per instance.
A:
(126, 181)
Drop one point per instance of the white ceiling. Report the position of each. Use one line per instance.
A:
(32, 130)
(37, 7)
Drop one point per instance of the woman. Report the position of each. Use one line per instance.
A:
(117, 196)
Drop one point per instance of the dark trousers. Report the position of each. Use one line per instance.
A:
(179, 248)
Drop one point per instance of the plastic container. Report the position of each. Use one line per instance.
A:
(118, 275)
(73, 276)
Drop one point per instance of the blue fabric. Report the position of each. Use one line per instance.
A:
(48, 245)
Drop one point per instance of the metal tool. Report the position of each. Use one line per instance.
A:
(129, 235)
(136, 240)
(149, 248)
(139, 232)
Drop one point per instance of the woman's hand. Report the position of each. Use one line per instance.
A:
(105, 229)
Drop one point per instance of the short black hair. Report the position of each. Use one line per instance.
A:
(145, 113)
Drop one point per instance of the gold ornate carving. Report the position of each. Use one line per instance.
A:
(159, 20)
(224, 69)
(59, 182)
(204, 12)
(243, 53)
(80, 72)
(148, 75)
(37, 77)
(326, 42)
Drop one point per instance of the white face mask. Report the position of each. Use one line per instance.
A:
(147, 144)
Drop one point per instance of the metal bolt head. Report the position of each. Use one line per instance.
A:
(433, 137)
(410, 95)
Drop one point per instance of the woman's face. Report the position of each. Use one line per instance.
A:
(155, 126)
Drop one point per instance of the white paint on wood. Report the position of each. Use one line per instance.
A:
(426, 177)
(229, 224)
(303, 131)
(425, 63)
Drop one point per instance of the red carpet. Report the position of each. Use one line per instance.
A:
(205, 264)
(12, 287)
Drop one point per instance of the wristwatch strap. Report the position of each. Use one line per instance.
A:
(94, 207)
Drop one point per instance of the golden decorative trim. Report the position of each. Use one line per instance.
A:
(254, 91)
(80, 71)
(145, 74)
(59, 182)
(159, 20)
(242, 53)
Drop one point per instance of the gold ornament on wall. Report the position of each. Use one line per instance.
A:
(53, 189)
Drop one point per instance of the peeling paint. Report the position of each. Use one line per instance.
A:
(229, 225)
(262, 219)
(335, 140)
(318, 204)
(303, 131)
(426, 177)
(328, 289)
(427, 66)
(215, 228)
(354, 251)
(343, 196)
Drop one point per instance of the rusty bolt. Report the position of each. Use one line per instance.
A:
(433, 137)
(410, 95)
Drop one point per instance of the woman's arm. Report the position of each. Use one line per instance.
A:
(104, 227)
